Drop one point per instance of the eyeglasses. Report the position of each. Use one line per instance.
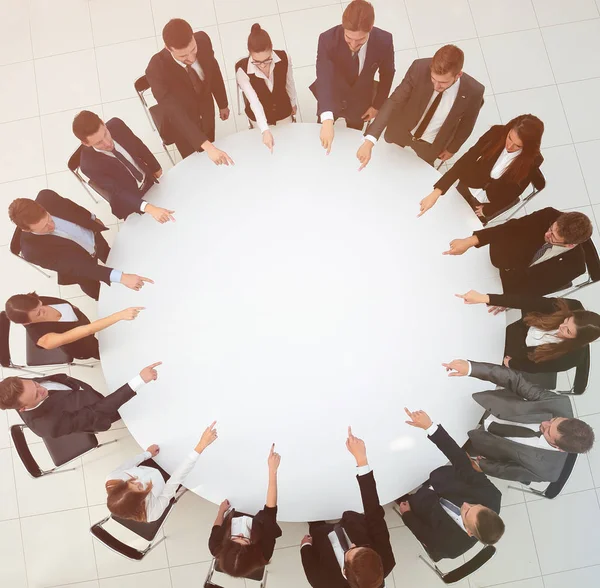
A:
(264, 62)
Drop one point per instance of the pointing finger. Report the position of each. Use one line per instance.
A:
(146, 280)
(155, 364)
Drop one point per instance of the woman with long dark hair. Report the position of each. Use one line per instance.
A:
(497, 169)
(267, 81)
(242, 543)
(552, 334)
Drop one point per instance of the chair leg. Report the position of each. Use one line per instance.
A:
(528, 490)
(168, 154)
(431, 566)
(35, 267)
(90, 193)
(107, 443)
(24, 369)
(153, 545)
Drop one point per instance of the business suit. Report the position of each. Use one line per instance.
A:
(512, 247)
(336, 88)
(516, 333)
(113, 177)
(78, 410)
(522, 402)
(368, 529)
(72, 263)
(474, 171)
(458, 483)
(190, 117)
(403, 110)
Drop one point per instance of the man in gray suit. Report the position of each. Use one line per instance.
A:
(433, 110)
(527, 430)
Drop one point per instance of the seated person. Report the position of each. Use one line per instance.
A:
(119, 163)
(457, 506)
(62, 236)
(551, 335)
(355, 552)
(267, 81)
(433, 110)
(498, 167)
(57, 405)
(536, 254)
(241, 543)
(348, 57)
(529, 430)
(53, 322)
(139, 492)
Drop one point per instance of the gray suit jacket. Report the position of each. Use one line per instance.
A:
(523, 402)
(404, 108)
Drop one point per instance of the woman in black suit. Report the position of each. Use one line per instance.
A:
(241, 543)
(552, 334)
(497, 168)
(53, 322)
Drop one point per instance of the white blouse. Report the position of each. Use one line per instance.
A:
(67, 314)
(504, 160)
(537, 337)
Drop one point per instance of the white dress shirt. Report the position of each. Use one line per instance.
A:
(67, 314)
(504, 160)
(195, 66)
(537, 337)
(539, 442)
(243, 81)
(457, 518)
(550, 253)
(338, 550)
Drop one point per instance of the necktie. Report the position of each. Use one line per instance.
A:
(503, 430)
(541, 251)
(428, 116)
(450, 506)
(339, 531)
(195, 79)
(135, 172)
(355, 66)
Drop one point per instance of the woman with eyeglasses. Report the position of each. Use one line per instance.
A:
(140, 492)
(52, 323)
(551, 335)
(241, 543)
(267, 81)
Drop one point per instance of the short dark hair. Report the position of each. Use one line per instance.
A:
(25, 212)
(359, 16)
(489, 526)
(574, 227)
(177, 33)
(448, 59)
(576, 436)
(19, 306)
(10, 392)
(365, 569)
(258, 39)
(86, 123)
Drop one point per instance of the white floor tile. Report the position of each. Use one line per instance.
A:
(60, 26)
(403, 60)
(583, 578)
(114, 21)
(156, 579)
(52, 540)
(531, 583)
(19, 98)
(589, 157)
(594, 455)
(552, 12)
(199, 13)
(510, 496)
(291, 5)
(8, 494)
(574, 49)
(91, 584)
(494, 18)
(24, 137)
(392, 518)
(15, 36)
(231, 10)
(223, 128)
(308, 24)
(580, 105)
(285, 570)
(576, 516)
(435, 22)
(390, 16)
(190, 575)
(12, 563)
(307, 103)
(4, 434)
(544, 103)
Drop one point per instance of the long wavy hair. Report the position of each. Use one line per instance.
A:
(124, 502)
(530, 130)
(588, 330)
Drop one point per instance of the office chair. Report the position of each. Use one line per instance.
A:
(15, 249)
(259, 575)
(554, 488)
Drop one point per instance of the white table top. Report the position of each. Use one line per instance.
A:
(295, 296)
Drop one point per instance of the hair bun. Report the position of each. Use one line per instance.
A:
(255, 28)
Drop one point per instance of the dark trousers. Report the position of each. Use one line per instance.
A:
(92, 287)
(207, 125)
(423, 149)
(85, 348)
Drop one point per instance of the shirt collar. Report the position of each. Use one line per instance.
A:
(252, 69)
(180, 63)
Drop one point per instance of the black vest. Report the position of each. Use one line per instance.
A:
(276, 104)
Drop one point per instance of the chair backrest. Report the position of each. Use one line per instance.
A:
(15, 242)
(75, 160)
(470, 566)
(582, 372)
(555, 488)
(38, 356)
(538, 180)
(141, 85)
(113, 543)
(68, 447)
(592, 261)
(5, 360)
(18, 437)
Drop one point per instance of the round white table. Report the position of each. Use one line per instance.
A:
(293, 297)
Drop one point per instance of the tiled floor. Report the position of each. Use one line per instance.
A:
(59, 56)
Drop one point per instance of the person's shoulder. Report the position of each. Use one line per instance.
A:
(158, 60)
(470, 84)
(330, 34)
(421, 65)
(381, 36)
(47, 196)
(202, 38)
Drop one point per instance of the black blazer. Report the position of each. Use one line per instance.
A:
(512, 247)
(175, 94)
(334, 88)
(458, 483)
(78, 410)
(319, 561)
(475, 171)
(112, 176)
(70, 261)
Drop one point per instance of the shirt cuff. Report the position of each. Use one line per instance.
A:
(136, 383)
(305, 544)
(327, 115)
(263, 126)
(363, 470)
(93, 216)
(432, 429)
(470, 368)
(147, 454)
(370, 138)
(143, 205)
(116, 275)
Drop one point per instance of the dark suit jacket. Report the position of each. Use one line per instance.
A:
(405, 107)
(370, 529)
(475, 171)
(518, 350)
(512, 247)
(173, 90)
(71, 262)
(333, 87)
(79, 410)
(522, 402)
(458, 483)
(112, 176)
